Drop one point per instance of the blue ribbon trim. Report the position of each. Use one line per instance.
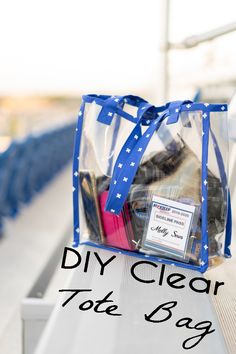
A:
(76, 176)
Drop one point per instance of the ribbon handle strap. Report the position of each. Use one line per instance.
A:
(129, 145)
(114, 104)
(120, 189)
(122, 181)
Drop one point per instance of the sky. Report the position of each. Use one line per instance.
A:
(73, 47)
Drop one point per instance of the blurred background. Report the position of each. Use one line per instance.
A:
(53, 52)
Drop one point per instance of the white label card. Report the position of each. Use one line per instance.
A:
(169, 226)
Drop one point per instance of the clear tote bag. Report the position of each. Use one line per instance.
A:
(152, 181)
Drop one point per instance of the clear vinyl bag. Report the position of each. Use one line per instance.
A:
(152, 181)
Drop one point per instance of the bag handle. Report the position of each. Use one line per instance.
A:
(114, 104)
(123, 179)
(130, 143)
(137, 133)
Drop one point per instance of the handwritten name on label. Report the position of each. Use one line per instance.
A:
(169, 226)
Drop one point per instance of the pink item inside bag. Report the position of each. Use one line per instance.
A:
(115, 227)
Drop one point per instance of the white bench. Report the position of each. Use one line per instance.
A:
(70, 330)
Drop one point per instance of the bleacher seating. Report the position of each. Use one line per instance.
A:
(26, 166)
